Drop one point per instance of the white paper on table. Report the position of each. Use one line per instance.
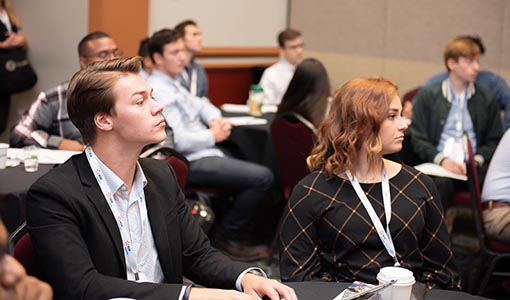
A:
(235, 108)
(240, 121)
(269, 108)
(437, 170)
(243, 108)
(46, 156)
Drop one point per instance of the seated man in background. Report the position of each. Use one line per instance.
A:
(444, 111)
(487, 79)
(276, 78)
(194, 77)
(15, 284)
(143, 51)
(46, 123)
(108, 224)
(198, 126)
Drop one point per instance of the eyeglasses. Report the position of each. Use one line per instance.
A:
(106, 54)
(294, 47)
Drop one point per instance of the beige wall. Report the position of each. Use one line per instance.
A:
(399, 39)
(224, 22)
(53, 29)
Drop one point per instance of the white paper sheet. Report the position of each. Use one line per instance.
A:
(46, 156)
(437, 170)
(240, 121)
(243, 108)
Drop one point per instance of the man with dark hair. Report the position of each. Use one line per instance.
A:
(194, 77)
(15, 284)
(198, 127)
(444, 111)
(46, 122)
(276, 78)
(111, 225)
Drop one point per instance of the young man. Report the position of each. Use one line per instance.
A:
(193, 78)
(46, 123)
(198, 126)
(15, 284)
(444, 111)
(276, 78)
(109, 224)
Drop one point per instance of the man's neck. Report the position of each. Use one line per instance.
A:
(188, 57)
(459, 86)
(121, 159)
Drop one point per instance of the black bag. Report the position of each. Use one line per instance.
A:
(16, 73)
(201, 210)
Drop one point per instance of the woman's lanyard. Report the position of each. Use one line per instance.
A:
(384, 235)
(126, 238)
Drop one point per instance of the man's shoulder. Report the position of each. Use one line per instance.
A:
(56, 92)
(433, 91)
(483, 92)
(65, 175)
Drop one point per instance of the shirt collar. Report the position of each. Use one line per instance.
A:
(114, 183)
(445, 87)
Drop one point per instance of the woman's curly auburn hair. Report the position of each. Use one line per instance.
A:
(356, 113)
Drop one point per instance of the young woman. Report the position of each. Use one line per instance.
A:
(308, 92)
(328, 233)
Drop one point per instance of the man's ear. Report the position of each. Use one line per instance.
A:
(103, 122)
(451, 63)
(157, 58)
(83, 62)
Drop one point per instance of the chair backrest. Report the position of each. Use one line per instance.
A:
(474, 191)
(409, 95)
(21, 248)
(293, 139)
(178, 162)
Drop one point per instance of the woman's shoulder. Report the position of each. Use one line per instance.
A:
(410, 173)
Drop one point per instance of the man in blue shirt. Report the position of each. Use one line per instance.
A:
(198, 127)
(444, 111)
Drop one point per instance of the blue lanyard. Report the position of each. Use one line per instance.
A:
(384, 235)
(131, 260)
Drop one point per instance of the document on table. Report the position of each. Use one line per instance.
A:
(248, 120)
(243, 108)
(437, 170)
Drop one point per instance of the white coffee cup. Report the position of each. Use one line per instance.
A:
(401, 289)
(3, 155)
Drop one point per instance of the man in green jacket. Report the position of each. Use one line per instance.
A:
(443, 112)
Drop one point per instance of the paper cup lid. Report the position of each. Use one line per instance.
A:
(402, 275)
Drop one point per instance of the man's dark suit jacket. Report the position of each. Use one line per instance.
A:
(79, 245)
